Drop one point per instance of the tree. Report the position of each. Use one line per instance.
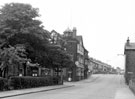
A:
(18, 18)
(11, 56)
(35, 47)
(18, 25)
(59, 58)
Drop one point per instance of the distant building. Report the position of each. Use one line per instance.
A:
(129, 53)
(100, 67)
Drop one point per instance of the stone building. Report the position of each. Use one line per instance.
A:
(73, 44)
(76, 48)
(86, 64)
(129, 53)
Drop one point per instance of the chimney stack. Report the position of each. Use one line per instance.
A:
(128, 42)
(74, 32)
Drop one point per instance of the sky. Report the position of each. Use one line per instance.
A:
(104, 24)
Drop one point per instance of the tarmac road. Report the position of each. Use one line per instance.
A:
(96, 87)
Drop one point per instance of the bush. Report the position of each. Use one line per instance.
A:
(3, 83)
(57, 80)
(30, 82)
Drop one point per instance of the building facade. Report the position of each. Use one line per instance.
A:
(99, 67)
(86, 64)
(73, 44)
(129, 53)
(76, 48)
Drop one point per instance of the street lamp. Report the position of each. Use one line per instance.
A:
(124, 61)
(121, 54)
(124, 58)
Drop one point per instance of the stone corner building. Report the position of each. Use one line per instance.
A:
(73, 44)
(129, 53)
(76, 48)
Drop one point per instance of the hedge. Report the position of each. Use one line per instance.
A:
(3, 83)
(30, 82)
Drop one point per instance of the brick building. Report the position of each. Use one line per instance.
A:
(86, 64)
(76, 48)
(73, 44)
(100, 67)
(129, 53)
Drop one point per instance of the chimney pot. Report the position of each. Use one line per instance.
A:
(128, 41)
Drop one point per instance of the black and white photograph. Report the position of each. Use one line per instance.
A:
(67, 49)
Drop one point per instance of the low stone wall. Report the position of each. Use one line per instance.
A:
(132, 85)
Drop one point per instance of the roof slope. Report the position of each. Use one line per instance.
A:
(130, 46)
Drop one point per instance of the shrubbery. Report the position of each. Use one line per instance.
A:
(3, 84)
(30, 82)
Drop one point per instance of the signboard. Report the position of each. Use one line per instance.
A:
(130, 72)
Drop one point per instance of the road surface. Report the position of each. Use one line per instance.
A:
(96, 87)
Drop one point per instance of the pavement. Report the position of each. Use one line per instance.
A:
(124, 92)
(12, 93)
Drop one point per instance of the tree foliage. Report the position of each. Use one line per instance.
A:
(19, 25)
(59, 58)
(12, 56)
(20, 18)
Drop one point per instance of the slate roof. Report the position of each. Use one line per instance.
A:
(79, 38)
(130, 46)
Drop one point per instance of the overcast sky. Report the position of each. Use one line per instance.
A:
(104, 24)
